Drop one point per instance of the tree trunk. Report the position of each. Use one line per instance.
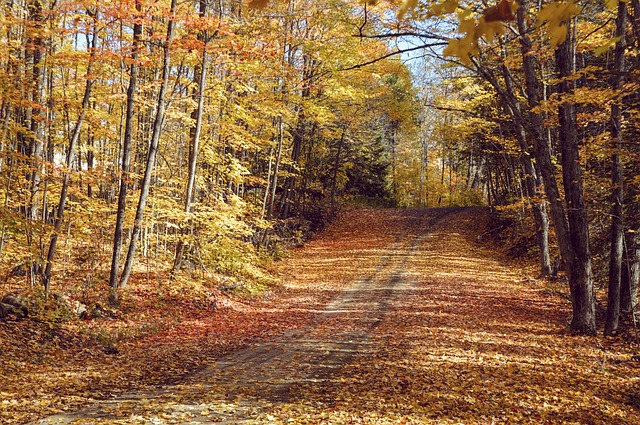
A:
(195, 138)
(578, 265)
(36, 126)
(631, 273)
(423, 189)
(287, 193)
(538, 205)
(336, 167)
(126, 155)
(571, 227)
(91, 44)
(268, 187)
(276, 168)
(617, 190)
(153, 148)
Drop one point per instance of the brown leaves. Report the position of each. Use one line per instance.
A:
(461, 338)
(159, 337)
(258, 4)
(470, 342)
(503, 11)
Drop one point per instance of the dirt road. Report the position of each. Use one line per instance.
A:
(428, 328)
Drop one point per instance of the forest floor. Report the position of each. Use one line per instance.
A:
(387, 317)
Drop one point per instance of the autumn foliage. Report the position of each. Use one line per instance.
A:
(158, 158)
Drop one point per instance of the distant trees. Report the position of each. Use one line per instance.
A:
(565, 109)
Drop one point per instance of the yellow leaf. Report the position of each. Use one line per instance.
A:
(405, 6)
(460, 48)
(556, 13)
(465, 14)
(611, 4)
(436, 10)
(558, 35)
(467, 26)
(451, 49)
(489, 29)
(450, 6)
(606, 46)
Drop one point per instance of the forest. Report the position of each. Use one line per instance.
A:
(160, 158)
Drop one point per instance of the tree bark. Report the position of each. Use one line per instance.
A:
(126, 154)
(577, 265)
(153, 148)
(631, 273)
(276, 167)
(336, 167)
(37, 135)
(532, 186)
(617, 189)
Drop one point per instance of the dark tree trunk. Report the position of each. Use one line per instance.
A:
(631, 273)
(36, 52)
(571, 227)
(336, 167)
(276, 169)
(617, 190)
(578, 265)
(287, 193)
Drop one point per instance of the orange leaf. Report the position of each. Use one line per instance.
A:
(258, 4)
(501, 12)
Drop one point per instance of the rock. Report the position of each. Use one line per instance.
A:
(13, 304)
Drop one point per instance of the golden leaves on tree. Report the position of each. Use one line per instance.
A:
(556, 15)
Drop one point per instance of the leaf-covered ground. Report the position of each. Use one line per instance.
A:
(424, 326)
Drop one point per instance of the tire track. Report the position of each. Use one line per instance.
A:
(243, 386)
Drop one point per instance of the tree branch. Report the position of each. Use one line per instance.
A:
(388, 55)
(401, 34)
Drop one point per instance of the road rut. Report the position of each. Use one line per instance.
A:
(244, 386)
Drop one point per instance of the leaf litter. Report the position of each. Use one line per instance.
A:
(425, 326)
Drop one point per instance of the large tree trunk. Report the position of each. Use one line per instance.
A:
(153, 148)
(336, 167)
(542, 149)
(571, 227)
(298, 138)
(286, 198)
(631, 267)
(631, 273)
(126, 155)
(578, 265)
(538, 204)
(536, 174)
(617, 190)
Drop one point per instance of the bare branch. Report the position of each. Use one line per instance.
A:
(401, 34)
(388, 55)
